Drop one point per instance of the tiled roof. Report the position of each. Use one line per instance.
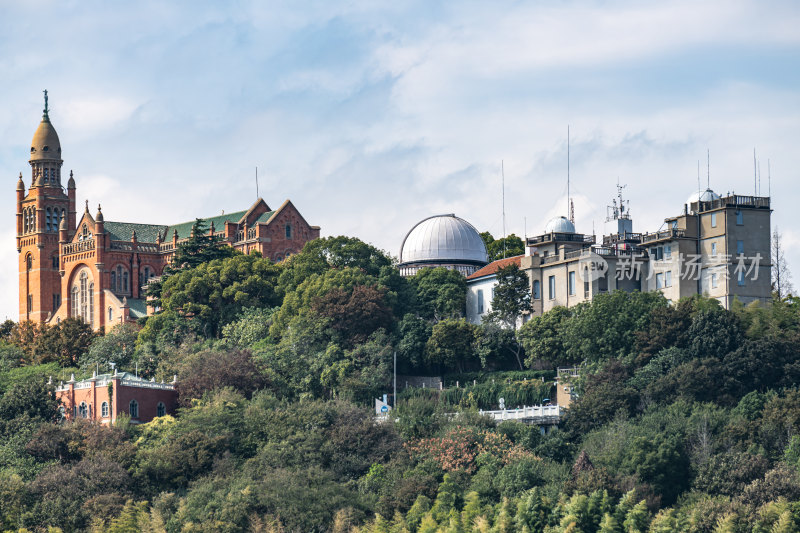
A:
(122, 231)
(265, 216)
(494, 266)
(138, 307)
(185, 228)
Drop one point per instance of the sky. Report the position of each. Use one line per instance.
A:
(372, 115)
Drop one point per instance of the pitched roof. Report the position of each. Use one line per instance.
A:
(122, 231)
(185, 228)
(137, 307)
(494, 266)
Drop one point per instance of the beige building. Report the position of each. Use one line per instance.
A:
(718, 246)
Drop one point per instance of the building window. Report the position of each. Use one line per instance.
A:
(28, 262)
(91, 304)
(537, 290)
(713, 249)
(660, 280)
(161, 409)
(572, 283)
(586, 281)
(551, 281)
(657, 253)
(46, 175)
(480, 301)
(74, 301)
(674, 224)
(288, 231)
(104, 410)
(668, 251)
(48, 214)
(56, 301)
(133, 409)
(30, 303)
(713, 281)
(739, 247)
(713, 220)
(739, 218)
(668, 278)
(741, 278)
(54, 259)
(83, 410)
(110, 314)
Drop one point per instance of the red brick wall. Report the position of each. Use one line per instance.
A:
(94, 397)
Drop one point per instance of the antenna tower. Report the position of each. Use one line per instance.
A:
(755, 173)
(769, 180)
(569, 202)
(503, 176)
(256, 181)
(708, 169)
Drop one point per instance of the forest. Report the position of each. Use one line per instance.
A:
(686, 419)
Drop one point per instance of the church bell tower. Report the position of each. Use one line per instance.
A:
(39, 215)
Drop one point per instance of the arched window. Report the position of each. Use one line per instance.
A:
(113, 281)
(84, 233)
(83, 410)
(125, 281)
(288, 231)
(104, 410)
(110, 314)
(161, 409)
(91, 304)
(84, 296)
(133, 409)
(74, 302)
(48, 214)
(28, 262)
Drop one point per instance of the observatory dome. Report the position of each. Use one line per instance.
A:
(560, 225)
(443, 240)
(702, 196)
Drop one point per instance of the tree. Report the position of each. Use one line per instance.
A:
(781, 277)
(65, 343)
(452, 345)
(503, 247)
(209, 370)
(441, 293)
(542, 338)
(117, 346)
(199, 248)
(356, 313)
(214, 293)
(512, 296)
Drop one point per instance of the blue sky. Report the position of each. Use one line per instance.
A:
(372, 115)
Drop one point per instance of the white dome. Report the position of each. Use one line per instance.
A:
(559, 225)
(703, 196)
(443, 238)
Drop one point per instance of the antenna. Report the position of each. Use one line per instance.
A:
(755, 172)
(769, 180)
(759, 178)
(571, 211)
(568, 197)
(525, 226)
(503, 176)
(708, 169)
(257, 181)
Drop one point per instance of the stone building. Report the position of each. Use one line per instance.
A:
(103, 397)
(80, 265)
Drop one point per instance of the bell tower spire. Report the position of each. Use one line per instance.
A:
(46, 115)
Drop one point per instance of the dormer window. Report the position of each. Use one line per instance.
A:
(33, 149)
(46, 148)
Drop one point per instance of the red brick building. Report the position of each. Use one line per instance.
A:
(93, 269)
(102, 398)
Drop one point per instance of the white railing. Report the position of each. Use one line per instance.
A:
(533, 412)
(147, 384)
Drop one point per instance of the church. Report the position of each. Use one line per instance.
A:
(95, 269)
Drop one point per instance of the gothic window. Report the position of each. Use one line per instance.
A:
(133, 409)
(104, 410)
(28, 261)
(74, 301)
(48, 214)
(84, 284)
(84, 233)
(54, 260)
(125, 281)
(161, 409)
(288, 231)
(91, 304)
(46, 175)
(83, 410)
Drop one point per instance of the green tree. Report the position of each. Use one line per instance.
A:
(453, 345)
(441, 293)
(542, 337)
(512, 296)
(503, 247)
(117, 346)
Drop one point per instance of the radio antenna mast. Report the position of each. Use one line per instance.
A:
(257, 182)
(769, 180)
(568, 197)
(698, 176)
(755, 173)
(503, 177)
(708, 168)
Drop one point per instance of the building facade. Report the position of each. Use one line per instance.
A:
(718, 247)
(102, 398)
(89, 268)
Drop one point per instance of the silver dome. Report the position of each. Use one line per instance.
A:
(703, 196)
(559, 225)
(443, 238)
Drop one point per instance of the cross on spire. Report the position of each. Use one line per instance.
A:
(46, 108)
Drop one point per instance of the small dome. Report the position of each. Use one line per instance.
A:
(703, 196)
(63, 224)
(559, 225)
(443, 238)
(20, 183)
(99, 217)
(45, 143)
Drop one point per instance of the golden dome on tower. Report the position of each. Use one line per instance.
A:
(45, 143)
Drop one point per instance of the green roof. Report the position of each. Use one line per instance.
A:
(185, 229)
(265, 216)
(122, 231)
(137, 307)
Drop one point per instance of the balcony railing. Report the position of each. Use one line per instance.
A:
(561, 237)
(80, 246)
(662, 235)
